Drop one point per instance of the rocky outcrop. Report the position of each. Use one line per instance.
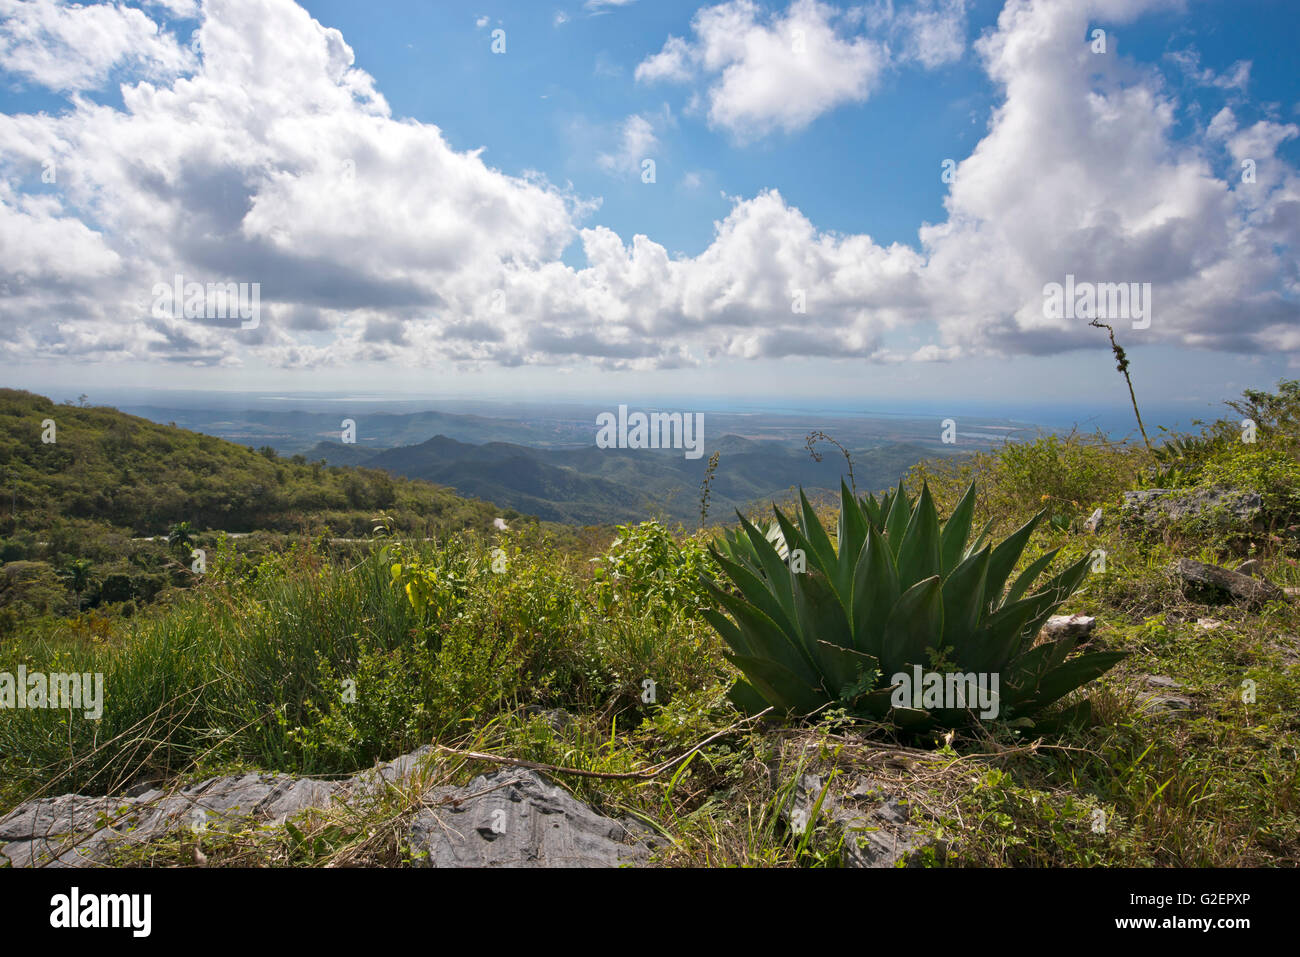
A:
(1211, 584)
(875, 824)
(512, 818)
(1161, 506)
(516, 818)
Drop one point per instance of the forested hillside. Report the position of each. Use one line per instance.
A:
(101, 465)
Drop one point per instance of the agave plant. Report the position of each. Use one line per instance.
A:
(896, 590)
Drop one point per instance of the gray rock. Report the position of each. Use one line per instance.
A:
(72, 830)
(1078, 627)
(75, 831)
(1094, 522)
(513, 818)
(61, 831)
(1288, 646)
(557, 718)
(395, 773)
(1214, 585)
(875, 824)
(516, 818)
(1252, 567)
(1156, 696)
(1150, 505)
(58, 815)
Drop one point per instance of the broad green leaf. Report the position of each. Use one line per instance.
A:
(816, 536)
(747, 698)
(780, 686)
(1075, 673)
(1004, 559)
(757, 592)
(900, 513)
(1026, 578)
(852, 533)
(875, 592)
(956, 531)
(915, 625)
(918, 555)
(963, 599)
(777, 572)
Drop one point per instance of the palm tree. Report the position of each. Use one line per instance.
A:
(180, 539)
(77, 574)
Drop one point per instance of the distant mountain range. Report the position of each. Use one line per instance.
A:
(541, 458)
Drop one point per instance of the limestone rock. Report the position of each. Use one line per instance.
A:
(1157, 695)
(1252, 567)
(516, 818)
(876, 824)
(1078, 627)
(1153, 505)
(1214, 585)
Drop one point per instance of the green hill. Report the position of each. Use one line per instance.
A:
(104, 466)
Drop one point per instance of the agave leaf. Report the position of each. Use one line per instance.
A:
(963, 599)
(875, 592)
(999, 639)
(851, 534)
(1059, 650)
(1057, 590)
(842, 666)
(871, 510)
(782, 688)
(821, 618)
(1020, 680)
(777, 572)
(918, 555)
(1026, 578)
(886, 504)
(747, 698)
(727, 628)
(757, 593)
(1074, 673)
(1004, 559)
(956, 530)
(900, 513)
(778, 541)
(765, 638)
(875, 703)
(816, 535)
(912, 719)
(981, 538)
(915, 624)
(1076, 715)
(813, 559)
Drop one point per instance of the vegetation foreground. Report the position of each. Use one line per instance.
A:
(318, 660)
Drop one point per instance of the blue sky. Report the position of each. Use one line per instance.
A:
(423, 214)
